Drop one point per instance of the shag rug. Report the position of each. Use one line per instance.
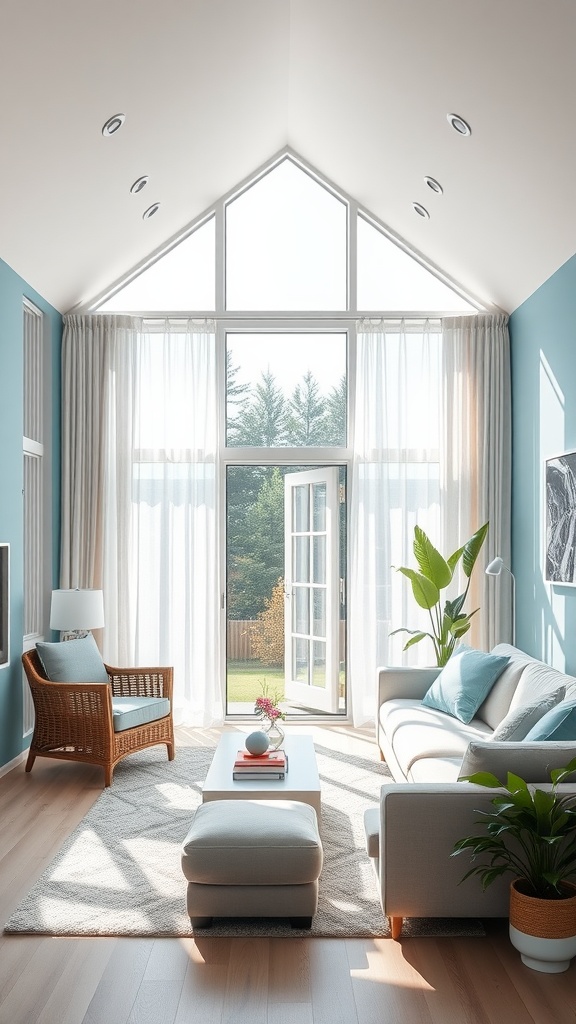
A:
(119, 871)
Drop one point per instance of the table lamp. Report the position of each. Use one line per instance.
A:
(76, 612)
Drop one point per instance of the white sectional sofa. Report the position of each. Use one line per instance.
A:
(410, 836)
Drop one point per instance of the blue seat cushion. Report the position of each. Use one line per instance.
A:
(557, 724)
(464, 683)
(128, 712)
(73, 661)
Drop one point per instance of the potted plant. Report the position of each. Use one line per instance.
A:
(436, 573)
(531, 833)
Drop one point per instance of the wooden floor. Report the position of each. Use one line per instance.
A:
(240, 981)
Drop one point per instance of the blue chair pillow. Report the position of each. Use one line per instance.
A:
(73, 661)
(557, 724)
(464, 683)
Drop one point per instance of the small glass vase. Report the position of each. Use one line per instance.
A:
(274, 733)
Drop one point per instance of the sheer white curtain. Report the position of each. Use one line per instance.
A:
(476, 462)
(157, 503)
(431, 446)
(395, 485)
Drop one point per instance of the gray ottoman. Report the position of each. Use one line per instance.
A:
(252, 858)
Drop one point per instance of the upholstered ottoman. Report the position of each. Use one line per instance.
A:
(252, 858)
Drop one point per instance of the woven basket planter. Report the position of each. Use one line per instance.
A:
(544, 931)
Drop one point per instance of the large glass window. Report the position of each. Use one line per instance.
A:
(286, 245)
(286, 390)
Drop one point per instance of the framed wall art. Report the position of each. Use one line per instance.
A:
(560, 519)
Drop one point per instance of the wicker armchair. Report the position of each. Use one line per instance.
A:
(74, 720)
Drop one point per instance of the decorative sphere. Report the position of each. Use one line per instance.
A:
(257, 743)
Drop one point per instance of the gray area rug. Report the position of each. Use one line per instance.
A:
(119, 871)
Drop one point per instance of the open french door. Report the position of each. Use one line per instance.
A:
(312, 589)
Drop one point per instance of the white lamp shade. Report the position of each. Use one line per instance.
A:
(494, 568)
(77, 609)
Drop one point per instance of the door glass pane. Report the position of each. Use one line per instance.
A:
(319, 666)
(319, 507)
(319, 621)
(301, 559)
(301, 660)
(286, 390)
(301, 510)
(319, 559)
(301, 611)
(286, 244)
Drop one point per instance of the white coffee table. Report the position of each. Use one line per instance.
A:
(301, 783)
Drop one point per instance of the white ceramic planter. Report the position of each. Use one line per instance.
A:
(550, 943)
(549, 955)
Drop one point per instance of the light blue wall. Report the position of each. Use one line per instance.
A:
(13, 289)
(543, 345)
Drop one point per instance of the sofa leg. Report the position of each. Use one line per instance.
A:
(30, 761)
(395, 926)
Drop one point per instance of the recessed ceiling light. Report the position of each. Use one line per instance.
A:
(113, 124)
(459, 124)
(139, 184)
(150, 211)
(434, 185)
(421, 210)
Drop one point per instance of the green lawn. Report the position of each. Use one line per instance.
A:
(246, 679)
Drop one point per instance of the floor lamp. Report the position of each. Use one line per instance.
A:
(494, 569)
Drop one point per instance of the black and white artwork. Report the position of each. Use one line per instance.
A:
(561, 519)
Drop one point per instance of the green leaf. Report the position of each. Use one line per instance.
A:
(472, 549)
(482, 779)
(431, 563)
(455, 558)
(425, 592)
(416, 639)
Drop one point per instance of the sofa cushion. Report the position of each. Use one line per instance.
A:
(415, 731)
(532, 763)
(464, 682)
(558, 724)
(435, 769)
(539, 680)
(73, 661)
(519, 722)
(128, 712)
(497, 704)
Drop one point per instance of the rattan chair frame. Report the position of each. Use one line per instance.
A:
(73, 721)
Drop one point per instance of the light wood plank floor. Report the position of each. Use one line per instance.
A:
(228, 981)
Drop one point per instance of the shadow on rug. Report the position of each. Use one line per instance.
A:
(119, 871)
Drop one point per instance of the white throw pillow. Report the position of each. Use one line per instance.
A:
(519, 722)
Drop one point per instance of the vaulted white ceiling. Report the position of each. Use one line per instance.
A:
(212, 89)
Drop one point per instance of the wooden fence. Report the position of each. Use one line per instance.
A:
(239, 639)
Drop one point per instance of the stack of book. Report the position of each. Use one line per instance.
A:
(258, 767)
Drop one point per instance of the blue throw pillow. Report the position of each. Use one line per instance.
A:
(465, 682)
(557, 724)
(73, 661)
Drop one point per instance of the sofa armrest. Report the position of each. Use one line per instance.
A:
(419, 825)
(400, 681)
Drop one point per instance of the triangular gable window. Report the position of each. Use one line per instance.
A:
(391, 279)
(183, 279)
(285, 240)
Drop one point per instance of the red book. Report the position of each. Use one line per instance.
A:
(270, 759)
